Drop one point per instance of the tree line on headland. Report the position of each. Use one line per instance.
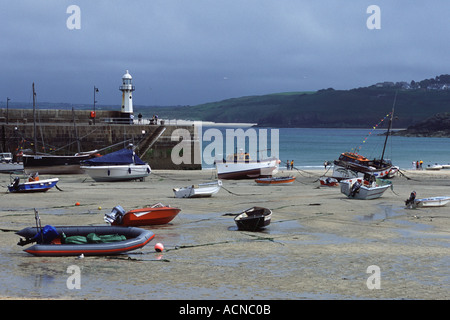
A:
(356, 108)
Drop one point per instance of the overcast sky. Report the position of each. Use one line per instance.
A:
(187, 52)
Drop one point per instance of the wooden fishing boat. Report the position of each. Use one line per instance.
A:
(364, 189)
(240, 166)
(153, 215)
(275, 181)
(56, 164)
(328, 182)
(68, 240)
(32, 184)
(253, 219)
(201, 190)
(351, 165)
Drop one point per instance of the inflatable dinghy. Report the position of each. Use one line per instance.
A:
(90, 240)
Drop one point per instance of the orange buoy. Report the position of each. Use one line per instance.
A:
(159, 247)
(77, 203)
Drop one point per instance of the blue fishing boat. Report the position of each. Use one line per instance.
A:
(32, 184)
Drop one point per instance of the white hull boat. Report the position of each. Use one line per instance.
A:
(201, 190)
(117, 172)
(121, 165)
(357, 188)
(246, 169)
(432, 202)
(434, 167)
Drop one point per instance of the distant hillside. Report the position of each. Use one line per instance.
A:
(362, 107)
(435, 126)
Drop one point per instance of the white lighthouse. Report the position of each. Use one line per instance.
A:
(127, 100)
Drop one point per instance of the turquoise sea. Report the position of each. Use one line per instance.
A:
(310, 147)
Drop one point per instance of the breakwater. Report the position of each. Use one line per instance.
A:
(67, 132)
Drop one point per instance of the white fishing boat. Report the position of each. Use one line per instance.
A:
(240, 166)
(364, 189)
(121, 165)
(7, 164)
(201, 190)
(412, 202)
(434, 167)
(432, 202)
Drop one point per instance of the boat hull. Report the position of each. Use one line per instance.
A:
(342, 172)
(52, 164)
(114, 173)
(432, 202)
(253, 219)
(329, 182)
(148, 216)
(246, 169)
(203, 190)
(136, 238)
(34, 186)
(366, 191)
(280, 181)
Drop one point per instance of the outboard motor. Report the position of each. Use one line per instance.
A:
(16, 183)
(115, 215)
(355, 188)
(410, 201)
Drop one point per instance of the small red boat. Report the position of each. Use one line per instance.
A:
(329, 182)
(154, 215)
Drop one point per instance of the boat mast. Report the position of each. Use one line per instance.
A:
(34, 121)
(389, 128)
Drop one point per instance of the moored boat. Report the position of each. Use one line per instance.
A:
(275, 181)
(56, 164)
(121, 165)
(253, 219)
(153, 215)
(434, 167)
(328, 182)
(364, 189)
(201, 190)
(240, 166)
(32, 184)
(352, 165)
(86, 240)
(412, 202)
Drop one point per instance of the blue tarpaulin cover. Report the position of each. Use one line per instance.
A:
(121, 157)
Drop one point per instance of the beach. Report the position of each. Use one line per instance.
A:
(319, 245)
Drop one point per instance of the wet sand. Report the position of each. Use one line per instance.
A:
(319, 244)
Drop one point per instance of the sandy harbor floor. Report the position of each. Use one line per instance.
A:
(319, 245)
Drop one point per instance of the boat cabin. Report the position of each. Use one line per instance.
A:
(238, 157)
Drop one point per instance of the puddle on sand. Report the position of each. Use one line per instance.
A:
(386, 212)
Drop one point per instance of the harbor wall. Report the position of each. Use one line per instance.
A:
(65, 136)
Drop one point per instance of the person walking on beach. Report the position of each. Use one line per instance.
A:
(421, 164)
(287, 164)
(292, 164)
